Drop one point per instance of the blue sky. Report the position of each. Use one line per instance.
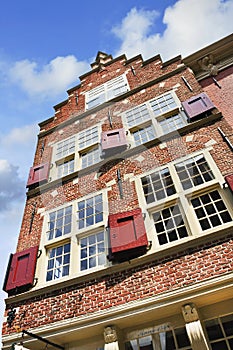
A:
(46, 45)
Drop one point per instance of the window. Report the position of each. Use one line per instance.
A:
(162, 114)
(185, 197)
(220, 332)
(194, 171)
(143, 135)
(75, 153)
(65, 168)
(65, 147)
(59, 222)
(92, 251)
(90, 211)
(175, 339)
(58, 262)
(169, 224)
(106, 91)
(90, 157)
(210, 210)
(157, 185)
(88, 137)
(75, 238)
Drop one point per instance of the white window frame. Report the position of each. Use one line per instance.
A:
(76, 155)
(105, 92)
(151, 118)
(73, 238)
(182, 198)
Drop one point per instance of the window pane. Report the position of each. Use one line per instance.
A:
(163, 104)
(60, 221)
(58, 262)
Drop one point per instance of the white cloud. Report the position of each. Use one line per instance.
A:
(11, 187)
(49, 80)
(190, 25)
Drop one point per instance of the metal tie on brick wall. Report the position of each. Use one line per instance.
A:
(226, 139)
(120, 183)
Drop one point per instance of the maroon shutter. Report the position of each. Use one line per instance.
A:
(127, 231)
(197, 105)
(229, 181)
(113, 139)
(38, 174)
(21, 271)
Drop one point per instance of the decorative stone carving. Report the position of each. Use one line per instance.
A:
(207, 64)
(190, 313)
(110, 334)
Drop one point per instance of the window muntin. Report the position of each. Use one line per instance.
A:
(106, 91)
(88, 137)
(92, 251)
(65, 168)
(158, 185)
(194, 171)
(90, 211)
(210, 210)
(169, 224)
(90, 157)
(58, 262)
(59, 222)
(65, 147)
(220, 332)
(143, 135)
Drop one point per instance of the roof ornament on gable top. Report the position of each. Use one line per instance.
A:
(101, 59)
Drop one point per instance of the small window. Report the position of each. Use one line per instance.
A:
(58, 262)
(157, 185)
(210, 210)
(163, 104)
(92, 251)
(172, 123)
(65, 168)
(90, 157)
(137, 115)
(194, 171)
(90, 211)
(59, 222)
(65, 147)
(220, 332)
(88, 137)
(169, 225)
(143, 135)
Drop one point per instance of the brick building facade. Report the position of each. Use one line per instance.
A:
(127, 235)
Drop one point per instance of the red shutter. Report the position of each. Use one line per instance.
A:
(197, 105)
(38, 174)
(229, 181)
(113, 139)
(127, 231)
(21, 271)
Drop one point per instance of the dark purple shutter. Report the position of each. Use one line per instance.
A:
(127, 231)
(229, 181)
(21, 271)
(113, 139)
(38, 174)
(197, 105)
